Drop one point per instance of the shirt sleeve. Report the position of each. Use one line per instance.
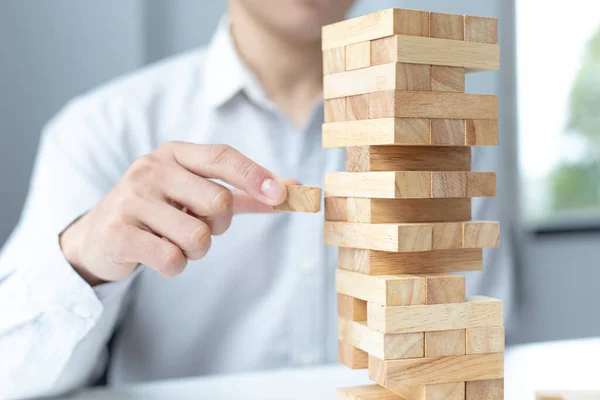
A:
(54, 326)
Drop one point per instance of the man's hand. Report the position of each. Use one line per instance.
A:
(164, 210)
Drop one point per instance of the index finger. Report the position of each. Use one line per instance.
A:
(229, 165)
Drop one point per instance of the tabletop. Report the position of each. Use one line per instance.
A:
(565, 365)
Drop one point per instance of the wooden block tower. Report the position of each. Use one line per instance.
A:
(394, 88)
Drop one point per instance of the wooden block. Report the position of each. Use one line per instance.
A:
(482, 132)
(447, 79)
(351, 309)
(482, 184)
(392, 290)
(301, 199)
(368, 392)
(436, 370)
(446, 26)
(335, 110)
(481, 234)
(489, 339)
(448, 132)
(398, 103)
(386, 237)
(384, 23)
(487, 390)
(449, 184)
(334, 60)
(379, 263)
(408, 158)
(344, 209)
(431, 51)
(384, 346)
(398, 76)
(446, 391)
(476, 312)
(357, 107)
(403, 184)
(445, 343)
(447, 236)
(358, 55)
(444, 288)
(481, 29)
(352, 357)
(384, 131)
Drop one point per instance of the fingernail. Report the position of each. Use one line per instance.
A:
(272, 189)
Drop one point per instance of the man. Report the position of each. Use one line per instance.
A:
(124, 195)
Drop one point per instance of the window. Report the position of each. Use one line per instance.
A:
(558, 89)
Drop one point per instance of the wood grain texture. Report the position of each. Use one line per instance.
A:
(334, 60)
(376, 25)
(489, 339)
(492, 389)
(358, 55)
(436, 370)
(357, 107)
(344, 209)
(444, 288)
(383, 131)
(447, 236)
(446, 391)
(352, 357)
(408, 184)
(448, 132)
(443, 105)
(445, 343)
(373, 262)
(335, 110)
(394, 76)
(446, 26)
(392, 290)
(432, 51)
(368, 392)
(475, 312)
(301, 199)
(351, 308)
(408, 158)
(447, 79)
(482, 133)
(481, 29)
(481, 234)
(384, 346)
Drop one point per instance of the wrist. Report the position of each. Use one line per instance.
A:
(70, 244)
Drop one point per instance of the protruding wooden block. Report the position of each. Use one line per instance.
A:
(352, 357)
(369, 392)
(447, 236)
(475, 312)
(357, 107)
(486, 390)
(392, 290)
(446, 26)
(351, 308)
(384, 346)
(431, 51)
(445, 288)
(481, 29)
(301, 199)
(448, 132)
(335, 110)
(404, 184)
(481, 234)
(358, 55)
(385, 131)
(446, 391)
(436, 370)
(447, 79)
(345, 209)
(482, 133)
(444, 105)
(379, 262)
(482, 184)
(408, 158)
(334, 60)
(384, 23)
(395, 76)
(489, 339)
(445, 343)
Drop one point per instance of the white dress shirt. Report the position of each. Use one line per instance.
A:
(264, 296)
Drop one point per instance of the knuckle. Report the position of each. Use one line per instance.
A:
(222, 201)
(220, 154)
(199, 238)
(144, 168)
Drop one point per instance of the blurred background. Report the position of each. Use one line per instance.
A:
(549, 87)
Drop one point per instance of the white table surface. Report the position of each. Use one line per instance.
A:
(569, 365)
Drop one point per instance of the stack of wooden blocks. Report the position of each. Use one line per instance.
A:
(394, 85)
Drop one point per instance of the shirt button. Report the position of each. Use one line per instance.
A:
(309, 358)
(81, 311)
